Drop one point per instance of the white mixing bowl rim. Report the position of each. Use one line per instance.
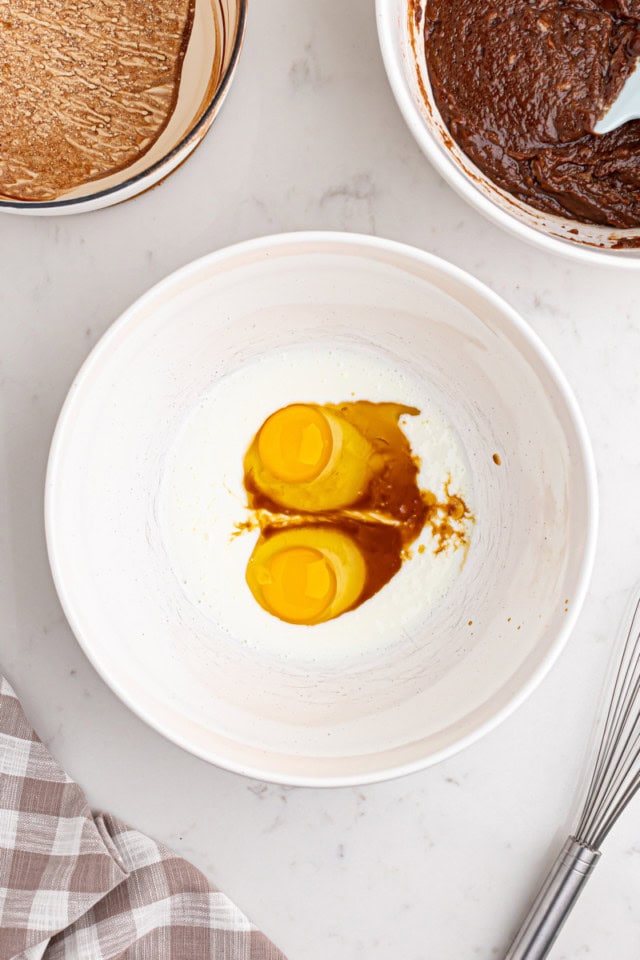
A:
(365, 241)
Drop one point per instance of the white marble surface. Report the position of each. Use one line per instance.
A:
(436, 865)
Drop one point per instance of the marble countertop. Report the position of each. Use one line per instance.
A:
(440, 864)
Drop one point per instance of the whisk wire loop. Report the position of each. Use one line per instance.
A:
(616, 773)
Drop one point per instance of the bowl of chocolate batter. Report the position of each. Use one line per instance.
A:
(503, 98)
(100, 101)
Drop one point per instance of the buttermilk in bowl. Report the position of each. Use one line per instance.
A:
(317, 494)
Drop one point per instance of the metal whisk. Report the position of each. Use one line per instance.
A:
(614, 781)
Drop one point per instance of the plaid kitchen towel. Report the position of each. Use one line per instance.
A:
(78, 887)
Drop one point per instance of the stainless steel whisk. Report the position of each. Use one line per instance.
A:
(614, 781)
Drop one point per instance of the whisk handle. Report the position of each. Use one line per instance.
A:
(553, 904)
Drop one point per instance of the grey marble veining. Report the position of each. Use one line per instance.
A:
(439, 865)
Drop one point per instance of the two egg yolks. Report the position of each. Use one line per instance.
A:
(295, 444)
(334, 490)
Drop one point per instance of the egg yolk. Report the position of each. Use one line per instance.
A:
(297, 584)
(295, 443)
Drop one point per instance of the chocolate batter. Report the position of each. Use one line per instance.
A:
(520, 85)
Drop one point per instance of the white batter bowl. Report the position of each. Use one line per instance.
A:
(429, 691)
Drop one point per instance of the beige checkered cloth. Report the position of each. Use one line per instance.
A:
(78, 887)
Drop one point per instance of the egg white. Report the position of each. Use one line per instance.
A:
(202, 499)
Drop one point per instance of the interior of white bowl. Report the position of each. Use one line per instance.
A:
(211, 54)
(428, 688)
(400, 28)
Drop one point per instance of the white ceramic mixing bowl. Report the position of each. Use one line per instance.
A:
(401, 41)
(429, 691)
